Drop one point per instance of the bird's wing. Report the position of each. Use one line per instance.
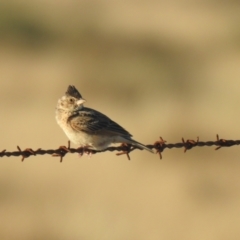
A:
(94, 122)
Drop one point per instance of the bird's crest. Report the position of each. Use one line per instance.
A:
(72, 91)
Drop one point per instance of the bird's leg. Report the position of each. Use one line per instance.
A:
(80, 151)
(88, 151)
(85, 150)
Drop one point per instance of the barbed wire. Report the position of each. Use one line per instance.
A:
(159, 146)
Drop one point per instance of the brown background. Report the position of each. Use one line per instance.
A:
(159, 68)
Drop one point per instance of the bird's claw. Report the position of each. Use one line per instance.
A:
(85, 150)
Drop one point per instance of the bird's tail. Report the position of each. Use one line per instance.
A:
(138, 144)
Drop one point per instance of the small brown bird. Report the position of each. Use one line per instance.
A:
(87, 127)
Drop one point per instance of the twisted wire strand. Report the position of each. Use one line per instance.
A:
(159, 146)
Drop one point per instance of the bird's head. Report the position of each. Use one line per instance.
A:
(71, 101)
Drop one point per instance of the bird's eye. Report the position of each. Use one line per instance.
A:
(71, 100)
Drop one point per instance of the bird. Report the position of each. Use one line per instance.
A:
(89, 128)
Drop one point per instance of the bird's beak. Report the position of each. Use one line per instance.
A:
(81, 101)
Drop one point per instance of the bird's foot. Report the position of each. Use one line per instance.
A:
(85, 150)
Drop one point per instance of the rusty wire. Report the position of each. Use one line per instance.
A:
(159, 146)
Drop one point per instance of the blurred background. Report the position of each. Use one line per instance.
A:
(158, 68)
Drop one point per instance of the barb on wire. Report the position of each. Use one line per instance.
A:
(123, 149)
